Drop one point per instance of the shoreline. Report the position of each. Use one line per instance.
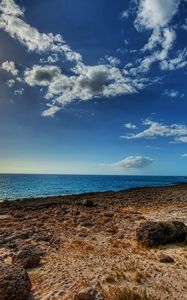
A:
(48, 198)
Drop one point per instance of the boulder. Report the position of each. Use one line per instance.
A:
(27, 257)
(15, 283)
(164, 258)
(159, 233)
(88, 203)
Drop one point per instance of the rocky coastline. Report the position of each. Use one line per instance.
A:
(95, 246)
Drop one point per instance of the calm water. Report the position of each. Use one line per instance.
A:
(25, 186)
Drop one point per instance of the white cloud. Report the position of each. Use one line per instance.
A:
(11, 21)
(156, 129)
(130, 126)
(124, 14)
(173, 93)
(19, 92)
(164, 39)
(184, 155)
(51, 111)
(157, 13)
(175, 63)
(11, 82)
(112, 60)
(51, 59)
(181, 139)
(9, 66)
(85, 83)
(132, 162)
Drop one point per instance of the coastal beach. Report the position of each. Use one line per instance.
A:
(89, 241)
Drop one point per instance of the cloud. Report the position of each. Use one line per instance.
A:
(9, 66)
(132, 162)
(157, 13)
(184, 155)
(130, 126)
(181, 139)
(184, 26)
(173, 93)
(11, 21)
(112, 60)
(156, 129)
(107, 79)
(11, 82)
(175, 63)
(19, 92)
(85, 83)
(161, 39)
(51, 111)
(124, 14)
(51, 59)
(41, 75)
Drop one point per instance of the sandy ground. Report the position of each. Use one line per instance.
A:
(96, 246)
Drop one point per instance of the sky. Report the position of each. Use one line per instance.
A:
(93, 87)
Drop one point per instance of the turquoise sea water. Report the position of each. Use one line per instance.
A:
(25, 186)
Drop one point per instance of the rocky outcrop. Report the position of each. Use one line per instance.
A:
(159, 233)
(14, 283)
(27, 257)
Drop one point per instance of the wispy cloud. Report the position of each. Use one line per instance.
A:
(132, 162)
(130, 125)
(173, 93)
(12, 22)
(156, 129)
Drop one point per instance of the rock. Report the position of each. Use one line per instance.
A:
(89, 294)
(88, 203)
(164, 258)
(15, 283)
(27, 257)
(159, 233)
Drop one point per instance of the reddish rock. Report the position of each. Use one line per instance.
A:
(15, 283)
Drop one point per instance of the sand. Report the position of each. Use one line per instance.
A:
(96, 247)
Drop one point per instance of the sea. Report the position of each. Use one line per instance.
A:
(20, 186)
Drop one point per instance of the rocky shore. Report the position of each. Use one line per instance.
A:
(114, 245)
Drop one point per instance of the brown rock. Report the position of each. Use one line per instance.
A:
(159, 233)
(88, 203)
(27, 257)
(15, 283)
(163, 258)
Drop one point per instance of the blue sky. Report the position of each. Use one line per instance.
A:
(95, 87)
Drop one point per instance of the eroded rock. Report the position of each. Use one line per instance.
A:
(15, 283)
(159, 233)
(27, 257)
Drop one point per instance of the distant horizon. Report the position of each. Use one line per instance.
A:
(83, 174)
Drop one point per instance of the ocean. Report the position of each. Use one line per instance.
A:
(21, 186)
